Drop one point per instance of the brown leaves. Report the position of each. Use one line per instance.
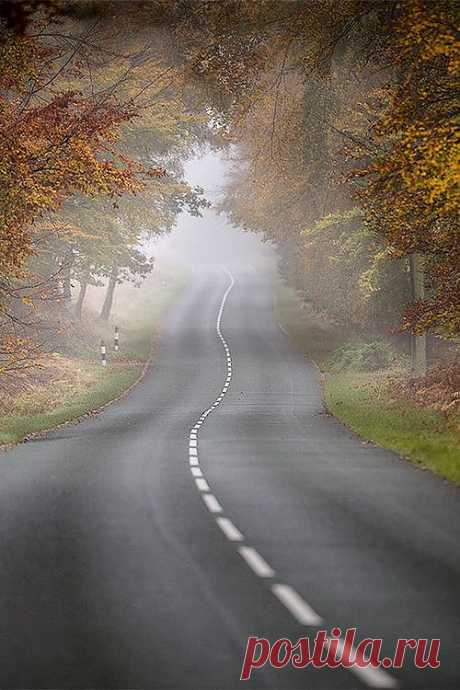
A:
(439, 389)
(53, 150)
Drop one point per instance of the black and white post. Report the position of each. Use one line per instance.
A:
(116, 339)
(103, 354)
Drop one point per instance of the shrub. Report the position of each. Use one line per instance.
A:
(360, 356)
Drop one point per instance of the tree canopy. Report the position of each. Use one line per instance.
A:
(340, 119)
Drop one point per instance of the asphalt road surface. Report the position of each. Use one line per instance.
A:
(141, 548)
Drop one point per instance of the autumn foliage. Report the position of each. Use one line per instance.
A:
(341, 119)
(412, 183)
(335, 106)
(71, 103)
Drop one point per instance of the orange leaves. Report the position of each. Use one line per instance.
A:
(55, 142)
(53, 149)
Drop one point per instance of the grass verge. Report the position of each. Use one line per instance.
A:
(71, 385)
(364, 401)
(101, 388)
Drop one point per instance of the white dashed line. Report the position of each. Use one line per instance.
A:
(373, 677)
(302, 612)
(212, 503)
(256, 562)
(202, 484)
(229, 529)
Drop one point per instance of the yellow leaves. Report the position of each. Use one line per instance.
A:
(426, 26)
(51, 149)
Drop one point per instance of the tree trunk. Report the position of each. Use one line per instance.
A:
(66, 276)
(107, 306)
(418, 344)
(66, 287)
(81, 299)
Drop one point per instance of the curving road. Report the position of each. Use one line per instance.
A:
(141, 548)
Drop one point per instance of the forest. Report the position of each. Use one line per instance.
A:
(229, 344)
(340, 125)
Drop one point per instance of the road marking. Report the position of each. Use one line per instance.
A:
(212, 503)
(298, 607)
(374, 677)
(202, 484)
(300, 610)
(256, 562)
(229, 529)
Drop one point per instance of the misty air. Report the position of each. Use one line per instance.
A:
(229, 344)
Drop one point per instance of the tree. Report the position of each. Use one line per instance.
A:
(322, 90)
(413, 182)
(74, 113)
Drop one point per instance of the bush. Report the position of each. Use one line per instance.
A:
(364, 356)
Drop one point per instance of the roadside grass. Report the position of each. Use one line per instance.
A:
(71, 385)
(101, 387)
(421, 435)
(363, 400)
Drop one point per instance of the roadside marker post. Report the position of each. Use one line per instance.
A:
(103, 354)
(116, 339)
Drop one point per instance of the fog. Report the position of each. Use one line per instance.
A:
(210, 239)
(229, 317)
(255, 108)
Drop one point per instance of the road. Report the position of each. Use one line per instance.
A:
(117, 570)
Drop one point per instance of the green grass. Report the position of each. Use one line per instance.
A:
(363, 401)
(95, 386)
(421, 435)
(107, 386)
